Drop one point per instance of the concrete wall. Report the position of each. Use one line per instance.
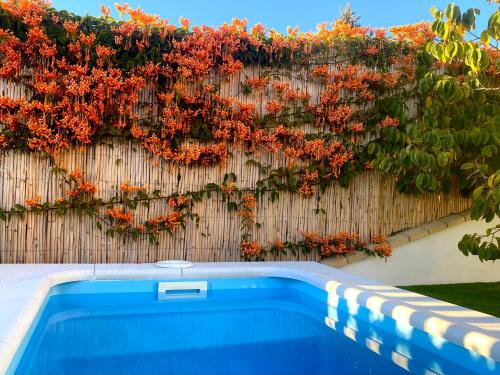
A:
(434, 259)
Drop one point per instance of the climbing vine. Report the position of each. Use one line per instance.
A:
(84, 77)
(456, 135)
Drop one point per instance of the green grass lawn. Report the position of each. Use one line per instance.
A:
(484, 297)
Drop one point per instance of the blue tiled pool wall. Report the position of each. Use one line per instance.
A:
(410, 348)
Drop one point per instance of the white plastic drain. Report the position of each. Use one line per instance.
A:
(174, 264)
(182, 290)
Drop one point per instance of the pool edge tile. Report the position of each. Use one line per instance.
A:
(41, 278)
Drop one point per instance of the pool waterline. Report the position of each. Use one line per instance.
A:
(362, 299)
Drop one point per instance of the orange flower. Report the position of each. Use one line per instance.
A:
(248, 204)
(120, 215)
(35, 202)
(75, 174)
(228, 188)
(416, 35)
(383, 250)
(71, 27)
(388, 122)
(121, 8)
(258, 83)
(178, 202)
(372, 50)
(279, 245)
(127, 188)
(258, 30)
(81, 187)
(357, 128)
(322, 72)
(343, 30)
(381, 247)
(311, 239)
(378, 238)
(105, 11)
(380, 33)
(311, 176)
(170, 221)
(250, 249)
(87, 187)
(3, 140)
(338, 117)
(87, 40)
(280, 87)
(104, 52)
(184, 22)
(306, 189)
(274, 107)
(137, 132)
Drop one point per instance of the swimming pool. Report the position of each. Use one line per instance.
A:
(244, 325)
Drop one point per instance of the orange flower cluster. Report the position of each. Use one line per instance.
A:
(75, 98)
(309, 177)
(71, 99)
(188, 155)
(274, 107)
(357, 128)
(416, 35)
(381, 246)
(79, 92)
(341, 29)
(250, 249)
(35, 202)
(10, 63)
(306, 189)
(342, 243)
(127, 188)
(118, 214)
(179, 202)
(279, 245)
(81, 187)
(371, 50)
(338, 117)
(71, 27)
(339, 244)
(388, 122)
(169, 221)
(321, 72)
(258, 83)
(3, 141)
(331, 153)
(247, 208)
(351, 82)
(228, 188)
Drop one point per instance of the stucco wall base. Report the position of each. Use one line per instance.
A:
(431, 259)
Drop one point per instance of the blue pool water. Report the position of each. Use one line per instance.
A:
(244, 326)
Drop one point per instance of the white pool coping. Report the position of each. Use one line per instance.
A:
(24, 287)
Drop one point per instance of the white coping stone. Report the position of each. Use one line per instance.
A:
(24, 287)
(143, 271)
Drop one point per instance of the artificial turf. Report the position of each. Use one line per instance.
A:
(484, 297)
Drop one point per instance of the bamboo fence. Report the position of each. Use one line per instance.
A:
(369, 205)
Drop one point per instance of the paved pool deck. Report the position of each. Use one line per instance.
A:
(24, 287)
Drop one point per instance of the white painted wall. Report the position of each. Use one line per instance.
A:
(434, 259)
